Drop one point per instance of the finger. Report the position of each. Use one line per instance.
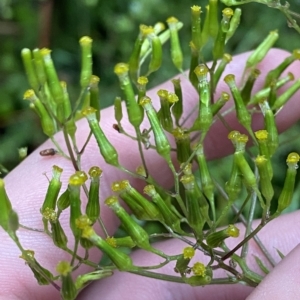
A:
(282, 234)
(283, 282)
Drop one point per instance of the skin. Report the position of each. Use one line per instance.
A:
(26, 188)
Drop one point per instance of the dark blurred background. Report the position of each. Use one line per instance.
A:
(113, 25)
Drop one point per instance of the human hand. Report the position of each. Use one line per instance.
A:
(26, 188)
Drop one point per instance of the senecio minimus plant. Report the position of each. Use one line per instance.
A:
(188, 211)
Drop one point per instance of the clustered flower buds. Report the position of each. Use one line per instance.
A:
(199, 201)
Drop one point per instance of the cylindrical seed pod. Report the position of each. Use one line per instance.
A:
(107, 150)
(94, 94)
(247, 89)
(162, 144)
(275, 73)
(261, 51)
(54, 84)
(39, 67)
(58, 235)
(42, 275)
(226, 59)
(287, 192)
(176, 53)
(47, 123)
(93, 206)
(216, 238)
(219, 45)
(121, 260)
(5, 207)
(262, 139)
(177, 108)
(216, 107)
(242, 113)
(139, 236)
(135, 112)
(118, 109)
(196, 26)
(169, 217)
(125, 241)
(183, 144)
(68, 289)
(265, 180)
(75, 182)
(213, 18)
(86, 61)
(234, 23)
(69, 119)
(270, 125)
(29, 69)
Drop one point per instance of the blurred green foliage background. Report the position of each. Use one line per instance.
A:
(113, 26)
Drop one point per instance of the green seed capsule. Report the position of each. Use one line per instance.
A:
(134, 60)
(39, 66)
(262, 139)
(94, 94)
(29, 69)
(204, 119)
(53, 83)
(219, 45)
(85, 279)
(194, 215)
(46, 121)
(141, 86)
(93, 205)
(139, 236)
(275, 73)
(183, 142)
(242, 113)
(264, 93)
(176, 53)
(234, 23)
(193, 64)
(204, 278)
(162, 144)
(286, 195)
(216, 107)
(148, 207)
(5, 207)
(121, 260)
(63, 201)
(270, 125)
(261, 51)
(137, 209)
(247, 89)
(135, 112)
(265, 179)
(70, 122)
(125, 241)
(205, 178)
(166, 101)
(42, 275)
(75, 182)
(206, 26)
(53, 189)
(213, 18)
(177, 108)
(196, 26)
(107, 150)
(86, 61)
(68, 289)
(118, 109)
(286, 96)
(156, 52)
(52, 193)
(216, 238)
(169, 217)
(226, 59)
(58, 235)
